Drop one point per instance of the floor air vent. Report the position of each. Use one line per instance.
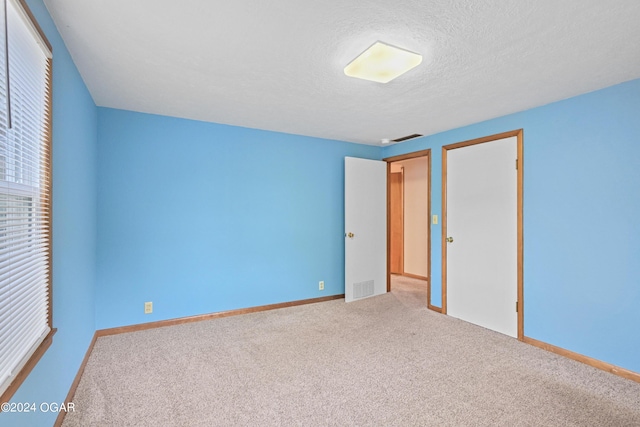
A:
(363, 289)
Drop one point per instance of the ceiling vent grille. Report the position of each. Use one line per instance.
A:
(405, 138)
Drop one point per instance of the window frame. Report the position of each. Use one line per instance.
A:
(41, 349)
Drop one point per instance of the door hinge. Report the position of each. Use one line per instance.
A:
(516, 164)
(516, 306)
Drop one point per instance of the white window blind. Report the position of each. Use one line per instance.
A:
(25, 190)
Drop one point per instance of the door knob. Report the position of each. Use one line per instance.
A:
(349, 235)
(450, 239)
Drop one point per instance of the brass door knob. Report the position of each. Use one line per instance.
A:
(450, 239)
(350, 235)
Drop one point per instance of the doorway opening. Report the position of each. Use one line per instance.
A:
(408, 227)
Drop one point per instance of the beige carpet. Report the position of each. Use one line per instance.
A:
(409, 291)
(383, 361)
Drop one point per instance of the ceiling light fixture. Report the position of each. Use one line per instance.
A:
(382, 63)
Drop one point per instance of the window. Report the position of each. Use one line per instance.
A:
(25, 195)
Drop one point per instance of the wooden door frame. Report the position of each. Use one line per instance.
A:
(423, 153)
(520, 244)
(389, 199)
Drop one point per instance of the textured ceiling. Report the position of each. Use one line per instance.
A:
(278, 64)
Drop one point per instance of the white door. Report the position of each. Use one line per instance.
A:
(481, 248)
(365, 227)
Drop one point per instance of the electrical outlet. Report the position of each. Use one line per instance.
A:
(148, 307)
(321, 285)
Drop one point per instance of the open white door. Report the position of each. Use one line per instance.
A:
(365, 227)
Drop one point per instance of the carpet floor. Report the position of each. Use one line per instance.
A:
(382, 361)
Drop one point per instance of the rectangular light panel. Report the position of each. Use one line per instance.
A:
(382, 63)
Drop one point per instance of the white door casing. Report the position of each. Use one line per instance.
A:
(482, 220)
(365, 206)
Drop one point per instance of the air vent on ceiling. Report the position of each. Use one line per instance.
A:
(405, 138)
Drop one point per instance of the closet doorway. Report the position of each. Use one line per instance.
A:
(482, 235)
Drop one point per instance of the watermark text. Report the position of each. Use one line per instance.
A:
(37, 407)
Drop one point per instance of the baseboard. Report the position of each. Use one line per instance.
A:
(415, 276)
(76, 381)
(616, 370)
(209, 316)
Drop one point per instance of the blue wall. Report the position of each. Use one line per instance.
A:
(74, 234)
(581, 219)
(199, 217)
